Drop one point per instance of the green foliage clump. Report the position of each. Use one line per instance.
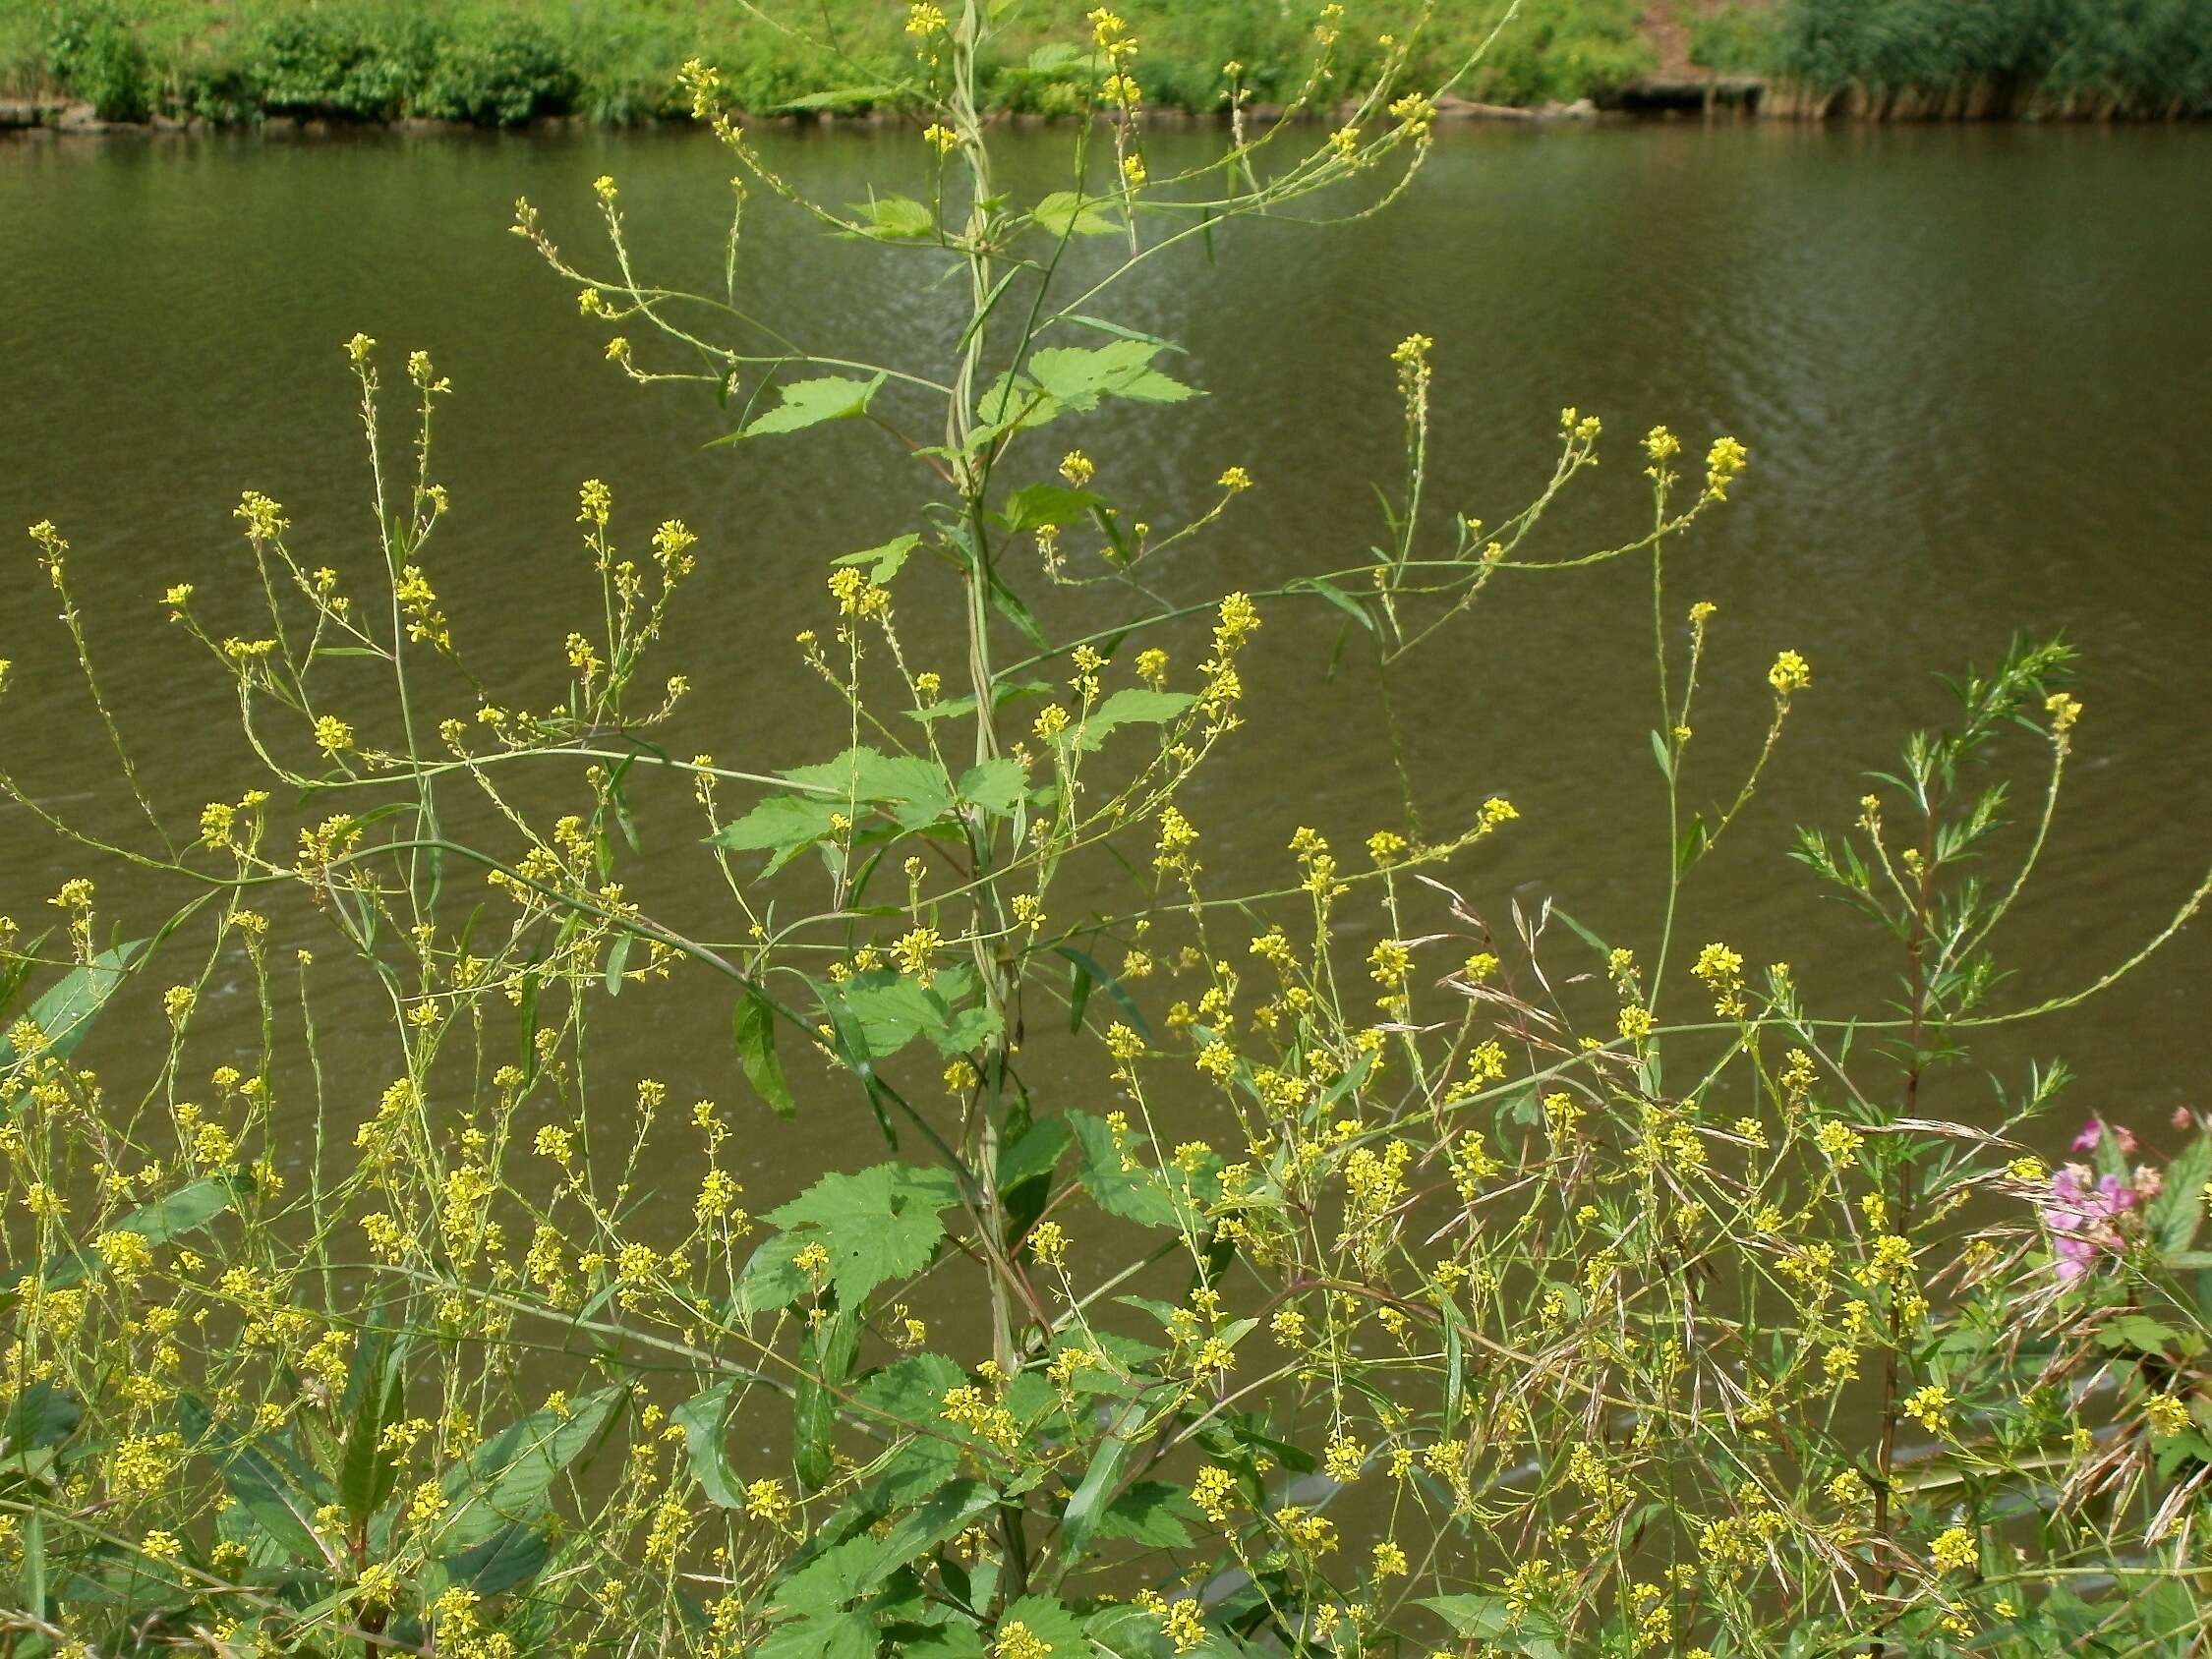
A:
(1740, 37)
(502, 62)
(94, 51)
(2120, 57)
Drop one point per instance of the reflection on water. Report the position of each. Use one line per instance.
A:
(1971, 365)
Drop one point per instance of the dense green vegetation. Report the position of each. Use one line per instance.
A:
(2083, 57)
(502, 62)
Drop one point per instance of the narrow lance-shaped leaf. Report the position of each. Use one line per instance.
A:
(756, 1054)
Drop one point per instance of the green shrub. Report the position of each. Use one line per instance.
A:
(95, 53)
(349, 61)
(496, 69)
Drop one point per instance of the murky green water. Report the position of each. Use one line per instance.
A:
(1971, 365)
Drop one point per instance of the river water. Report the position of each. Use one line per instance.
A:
(1973, 367)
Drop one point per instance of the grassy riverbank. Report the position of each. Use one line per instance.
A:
(2097, 58)
(502, 62)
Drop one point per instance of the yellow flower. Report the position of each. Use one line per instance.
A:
(2166, 1416)
(1789, 673)
(913, 949)
(1955, 1549)
(943, 137)
(1048, 1243)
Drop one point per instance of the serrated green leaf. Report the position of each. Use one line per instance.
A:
(703, 1418)
(1077, 376)
(886, 559)
(1066, 213)
(1135, 1195)
(997, 786)
(781, 823)
(910, 789)
(2175, 1215)
(809, 403)
(511, 1556)
(877, 1226)
(1050, 1621)
(1034, 1154)
(1152, 1512)
(1037, 506)
(1131, 706)
(897, 217)
(908, 1396)
(508, 1479)
(845, 97)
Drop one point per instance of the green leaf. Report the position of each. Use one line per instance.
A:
(755, 1030)
(1662, 754)
(617, 958)
(910, 1395)
(944, 1514)
(1135, 1195)
(1051, 1622)
(913, 793)
(1057, 57)
(65, 1013)
(958, 707)
(702, 1418)
(281, 1497)
(879, 1225)
(1039, 505)
(897, 218)
(1152, 1512)
(1087, 1507)
(886, 559)
(186, 1210)
(890, 1009)
(377, 1395)
(1077, 376)
(2175, 1215)
(1336, 595)
(1131, 706)
(1489, 1619)
(998, 787)
(824, 1363)
(809, 403)
(1115, 989)
(913, 790)
(845, 97)
(783, 824)
(770, 1280)
(41, 1415)
(1066, 213)
(2139, 1331)
(508, 1479)
(511, 1556)
(833, 1635)
(1033, 1156)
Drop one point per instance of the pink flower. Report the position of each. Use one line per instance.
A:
(2081, 1214)
(2092, 1132)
